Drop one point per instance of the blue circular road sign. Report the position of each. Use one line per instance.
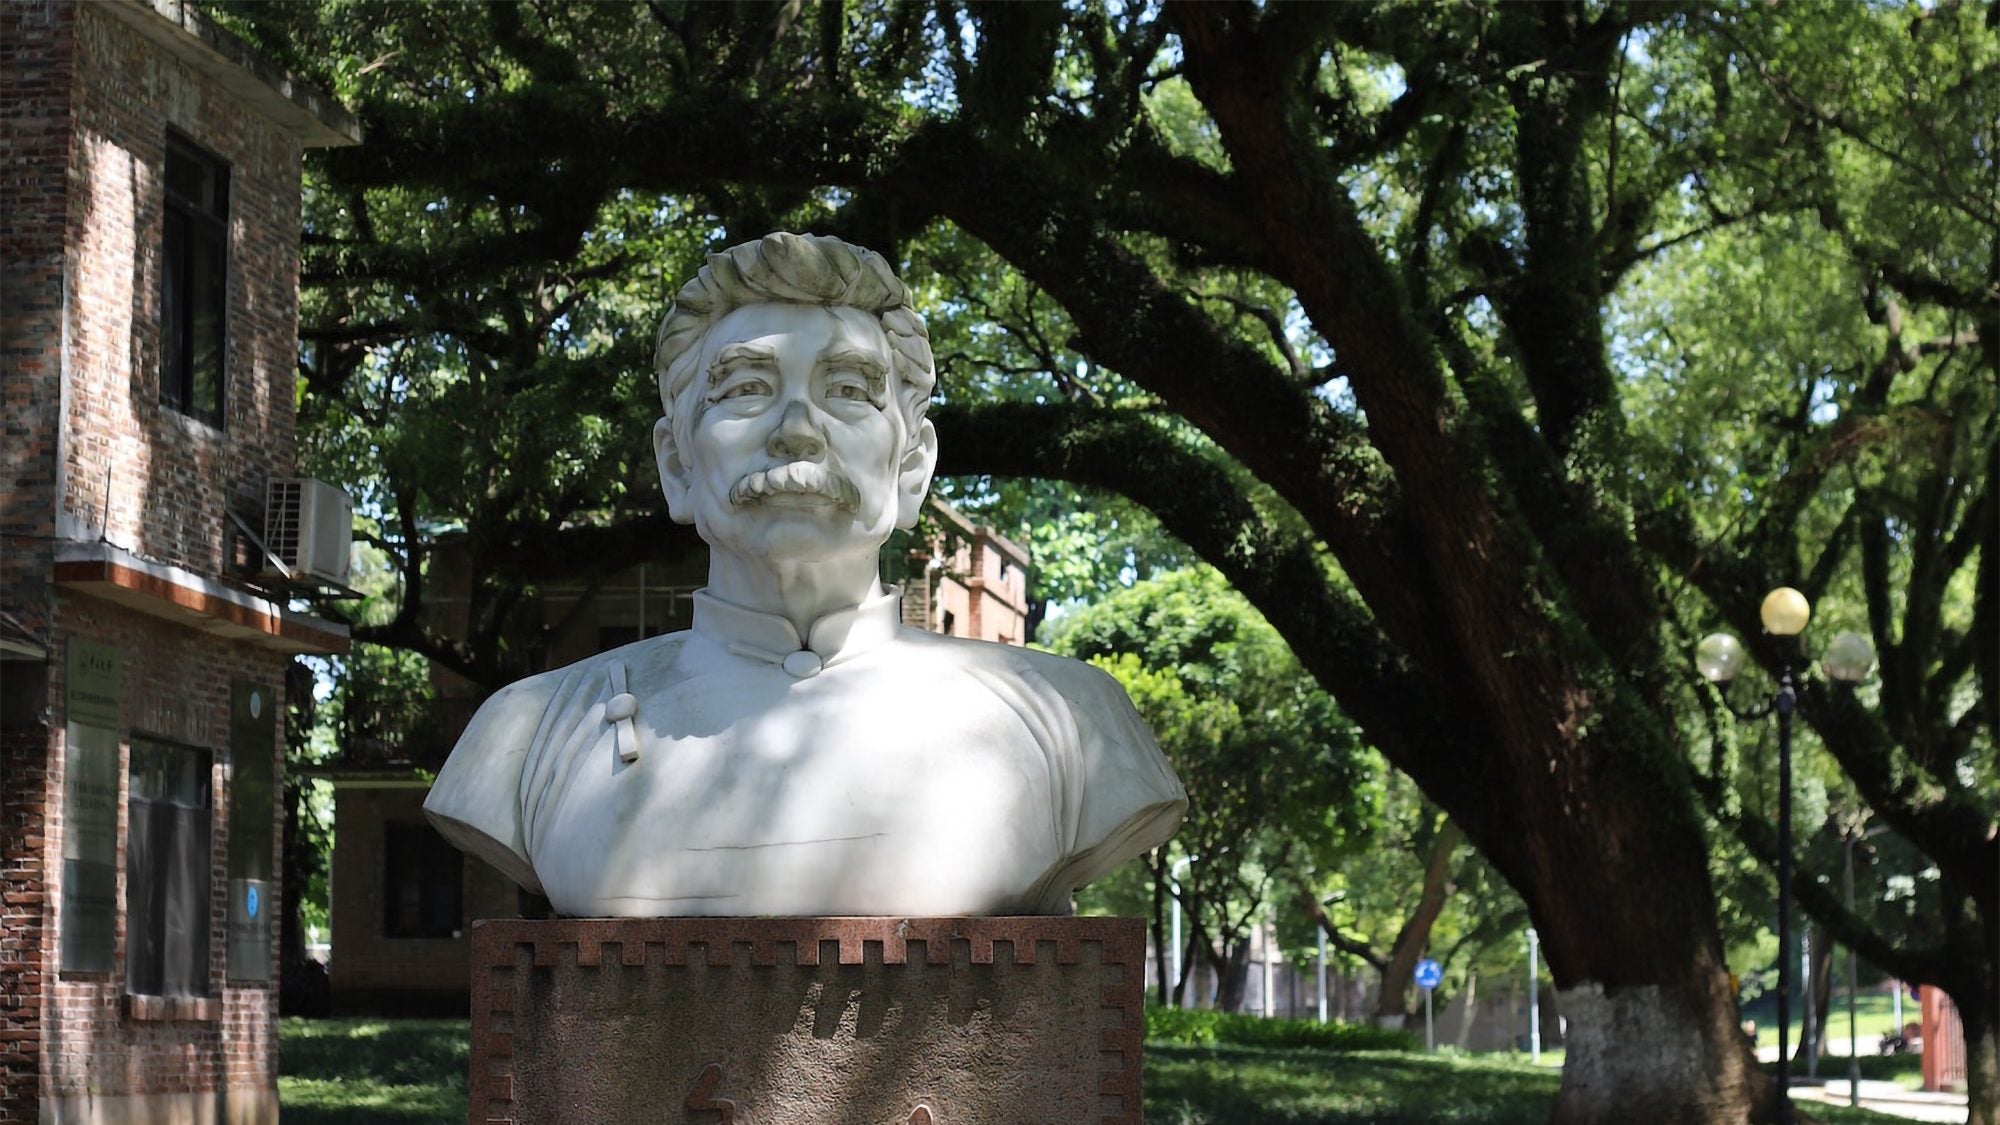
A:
(1429, 974)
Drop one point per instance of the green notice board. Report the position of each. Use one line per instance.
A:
(88, 923)
(253, 771)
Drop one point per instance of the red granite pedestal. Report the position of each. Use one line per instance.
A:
(807, 1021)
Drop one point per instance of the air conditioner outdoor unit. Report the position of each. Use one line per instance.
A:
(308, 526)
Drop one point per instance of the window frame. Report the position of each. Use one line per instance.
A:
(193, 224)
(416, 856)
(147, 937)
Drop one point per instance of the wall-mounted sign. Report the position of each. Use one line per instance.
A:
(88, 922)
(95, 695)
(253, 820)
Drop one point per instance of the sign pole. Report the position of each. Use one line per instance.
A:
(1428, 976)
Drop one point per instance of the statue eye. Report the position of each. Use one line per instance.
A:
(742, 388)
(851, 388)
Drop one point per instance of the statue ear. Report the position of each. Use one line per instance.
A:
(673, 472)
(914, 481)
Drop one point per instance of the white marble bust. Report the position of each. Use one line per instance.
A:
(800, 751)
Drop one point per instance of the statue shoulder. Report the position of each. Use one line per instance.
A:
(1079, 682)
(476, 799)
(1117, 792)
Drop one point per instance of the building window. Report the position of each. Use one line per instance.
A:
(167, 865)
(424, 877)
(193, 281)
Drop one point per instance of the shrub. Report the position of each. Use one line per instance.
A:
(1206, 1028)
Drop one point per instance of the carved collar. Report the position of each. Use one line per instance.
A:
(762, 636)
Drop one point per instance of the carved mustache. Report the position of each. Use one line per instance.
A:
(799, 478)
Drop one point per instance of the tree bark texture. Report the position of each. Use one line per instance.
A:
(1982, 1068)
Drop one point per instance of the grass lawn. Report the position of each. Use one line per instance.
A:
(1874, 1014)
(405, 1072)
(356, 1071)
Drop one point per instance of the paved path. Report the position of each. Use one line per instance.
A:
(1883, 1097)
(1886, 1097)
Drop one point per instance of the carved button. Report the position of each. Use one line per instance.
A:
(804, 664)
(620, 707)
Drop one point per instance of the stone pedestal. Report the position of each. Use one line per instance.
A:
(807, 1021)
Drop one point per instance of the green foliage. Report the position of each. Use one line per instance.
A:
(1810, 377)
(1207, 1027)
(1275, 776)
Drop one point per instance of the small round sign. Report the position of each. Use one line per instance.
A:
(251, 901)
(1429, 973)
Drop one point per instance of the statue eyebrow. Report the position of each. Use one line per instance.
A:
(866, 362)
(737, 355)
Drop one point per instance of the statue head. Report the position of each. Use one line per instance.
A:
(794, 377)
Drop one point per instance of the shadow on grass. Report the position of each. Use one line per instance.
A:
(1251, 1086)
(363, 1071)
(1254, 1086)
(413, 1072)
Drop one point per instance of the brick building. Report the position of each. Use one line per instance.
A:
(149, 231)
(974, 580)
(403, 897)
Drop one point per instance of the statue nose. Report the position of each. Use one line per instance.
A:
(796, 437)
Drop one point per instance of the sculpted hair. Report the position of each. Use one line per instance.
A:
(800, 269)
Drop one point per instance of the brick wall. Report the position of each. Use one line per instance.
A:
(23, 802)
(88, 452)
(374, 974)
(176, 686)
(36, 75)
(144, 476)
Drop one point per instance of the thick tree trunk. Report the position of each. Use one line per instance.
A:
(1665, 1047)
(1822, 999)
(1391, 1004)
(1637, 960)
(1188, 964)
(1234, 971)
(1471, 1009)
(1980, 1015)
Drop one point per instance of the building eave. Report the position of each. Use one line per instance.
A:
(297, 106)
(368, 777)
(185, 598)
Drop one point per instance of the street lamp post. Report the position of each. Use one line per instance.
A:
(1847, 662)
(1719, 657)
(1534, 997)
(1853, 981)
(1174, 881)
(1785, 613)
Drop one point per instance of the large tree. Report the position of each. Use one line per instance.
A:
(1326, 291)
(1860, 455)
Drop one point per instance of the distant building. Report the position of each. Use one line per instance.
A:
(403, 897)
(149, 261)
(967, 580)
